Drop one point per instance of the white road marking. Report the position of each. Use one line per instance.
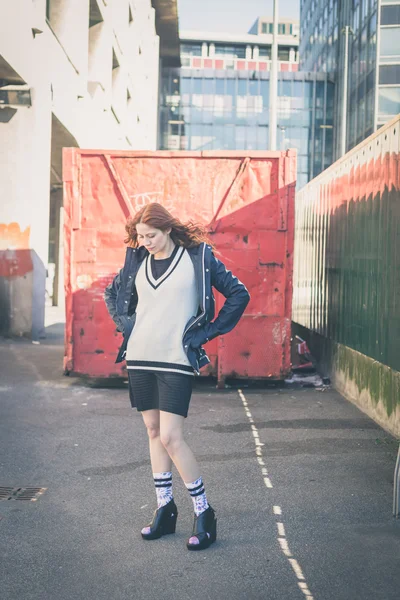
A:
(267, 482)
(281, 529)
(283, 543)
(304, 588)
(296, 568)
(284, 546)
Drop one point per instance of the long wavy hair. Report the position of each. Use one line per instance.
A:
(188, 234)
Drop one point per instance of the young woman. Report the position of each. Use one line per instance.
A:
(162, 302)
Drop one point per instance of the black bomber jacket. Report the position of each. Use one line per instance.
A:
(121, 300)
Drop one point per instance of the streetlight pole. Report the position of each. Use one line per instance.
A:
(273, 82)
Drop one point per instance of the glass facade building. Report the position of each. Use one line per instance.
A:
(222, 109)
(319, 35)
(373, 86)
(389, 61)
(362, 71)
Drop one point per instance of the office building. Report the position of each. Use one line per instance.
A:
(264, 25)
(252, 52)
(373, 83)
(219, 100)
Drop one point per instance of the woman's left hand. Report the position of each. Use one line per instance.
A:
(198, 337)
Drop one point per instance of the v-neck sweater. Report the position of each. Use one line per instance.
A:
(165, 305)
(160, 265)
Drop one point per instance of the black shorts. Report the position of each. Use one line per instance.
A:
(170, 392)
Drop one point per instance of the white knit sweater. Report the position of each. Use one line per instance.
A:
(164, 307)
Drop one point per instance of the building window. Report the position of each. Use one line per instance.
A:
(281, 28)
(389, 101)
(390, 15)
(283, 53)
(265, 52)
(264, 28)
(191, 49)
(390, 43)
(389, 74)
(235, 51)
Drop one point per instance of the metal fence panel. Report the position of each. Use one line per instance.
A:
(347, 250)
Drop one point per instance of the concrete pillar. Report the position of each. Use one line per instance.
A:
(24, 210)
(256, 53)
(248, 52)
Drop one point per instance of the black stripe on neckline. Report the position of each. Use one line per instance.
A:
(166, 274)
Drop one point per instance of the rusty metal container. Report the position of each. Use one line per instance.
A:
(247, 201)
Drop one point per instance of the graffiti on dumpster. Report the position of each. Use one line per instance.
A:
(140, 200)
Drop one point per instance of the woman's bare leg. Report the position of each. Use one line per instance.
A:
(160, 459)
(171, 437)
(161, 462)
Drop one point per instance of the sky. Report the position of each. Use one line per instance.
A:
(229, 16)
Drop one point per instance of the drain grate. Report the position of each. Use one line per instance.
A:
(26, 494)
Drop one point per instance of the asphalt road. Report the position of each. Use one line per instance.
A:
(301, 480)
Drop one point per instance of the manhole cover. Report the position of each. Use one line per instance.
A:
(28, 494)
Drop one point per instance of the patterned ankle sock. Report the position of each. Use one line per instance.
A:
(163, 483)
(198, 494)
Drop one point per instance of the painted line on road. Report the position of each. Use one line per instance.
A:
(281, 529)
(277, 510)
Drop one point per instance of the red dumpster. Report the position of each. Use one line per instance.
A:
(247, 201)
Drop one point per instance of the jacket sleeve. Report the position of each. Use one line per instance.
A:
(237, 298)
(110, 298)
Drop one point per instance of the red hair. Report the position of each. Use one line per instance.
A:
(155, 215)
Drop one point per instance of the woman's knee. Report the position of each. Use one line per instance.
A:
(152, 423)
(171, 439)
(153, 430)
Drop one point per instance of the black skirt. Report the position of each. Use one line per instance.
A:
(170, 392)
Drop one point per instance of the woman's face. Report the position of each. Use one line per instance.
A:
(155, 240)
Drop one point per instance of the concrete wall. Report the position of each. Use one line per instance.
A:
(78, 99)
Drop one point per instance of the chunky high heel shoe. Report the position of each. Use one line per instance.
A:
(205, 529)
(163, 523)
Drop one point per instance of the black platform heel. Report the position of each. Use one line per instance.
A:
(204, 524)
(163, 523)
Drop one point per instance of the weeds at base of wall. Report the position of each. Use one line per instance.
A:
(371, 385)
